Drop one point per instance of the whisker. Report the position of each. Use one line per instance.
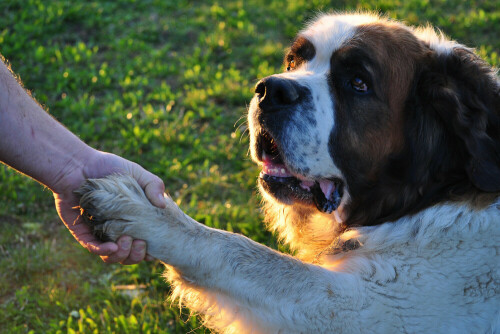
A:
(245, 132)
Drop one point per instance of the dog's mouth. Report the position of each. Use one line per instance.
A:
(288, 187)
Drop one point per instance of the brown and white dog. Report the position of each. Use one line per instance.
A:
(380, 155)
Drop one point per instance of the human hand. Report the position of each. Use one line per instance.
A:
(99, 164)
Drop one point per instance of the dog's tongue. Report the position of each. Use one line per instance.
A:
(327, 187)
(326, 196)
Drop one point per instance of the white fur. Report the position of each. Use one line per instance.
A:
(436, 40)
(434, 272)
(329, 32)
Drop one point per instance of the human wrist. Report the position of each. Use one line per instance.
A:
(72, 172)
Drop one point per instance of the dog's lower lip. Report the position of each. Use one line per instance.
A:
(324, 194)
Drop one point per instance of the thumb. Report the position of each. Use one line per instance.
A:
(153, 186)
(154, 192)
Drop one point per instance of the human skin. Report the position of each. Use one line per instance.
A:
(37, 145)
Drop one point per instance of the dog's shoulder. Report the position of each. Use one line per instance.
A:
(442, 260)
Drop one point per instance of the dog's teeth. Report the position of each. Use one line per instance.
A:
(275, 170)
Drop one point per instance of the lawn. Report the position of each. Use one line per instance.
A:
(166, 84)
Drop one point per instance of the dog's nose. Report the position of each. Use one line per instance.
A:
(274, 92)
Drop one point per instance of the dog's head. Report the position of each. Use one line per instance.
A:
(375, 120)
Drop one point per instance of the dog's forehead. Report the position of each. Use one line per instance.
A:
(329, 32)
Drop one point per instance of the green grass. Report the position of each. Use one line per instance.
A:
(166, 84)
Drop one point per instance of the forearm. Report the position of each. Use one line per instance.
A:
(32, 141)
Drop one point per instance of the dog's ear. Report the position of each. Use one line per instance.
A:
(463, 91)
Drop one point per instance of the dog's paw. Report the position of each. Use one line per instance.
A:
(115, 205)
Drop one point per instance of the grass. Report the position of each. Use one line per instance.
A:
(166, 84)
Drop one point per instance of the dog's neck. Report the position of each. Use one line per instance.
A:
(306, 231)
(312, 235)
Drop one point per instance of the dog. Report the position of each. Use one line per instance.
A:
(380, 153)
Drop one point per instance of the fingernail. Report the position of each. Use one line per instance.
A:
(162, 200)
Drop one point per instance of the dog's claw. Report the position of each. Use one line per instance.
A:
(88, 210)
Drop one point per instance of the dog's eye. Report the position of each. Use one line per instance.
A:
(359, 85)
(291, 65)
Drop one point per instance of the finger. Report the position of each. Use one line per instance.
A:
(137, 253)
(149, 258)
(155, 193)
(101, 248)
(124, 247)
(83, 234)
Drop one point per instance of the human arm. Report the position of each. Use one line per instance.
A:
(35, 144)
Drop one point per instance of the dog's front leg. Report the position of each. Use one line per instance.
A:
(238, 284)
